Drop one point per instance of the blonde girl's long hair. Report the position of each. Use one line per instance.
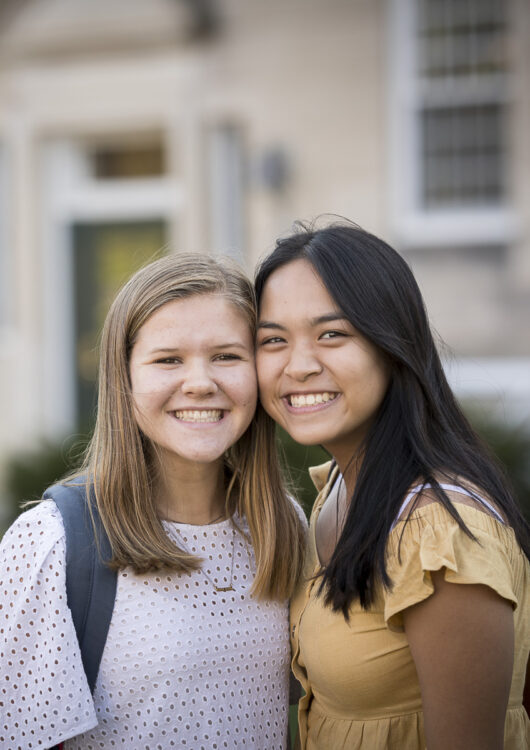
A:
(118, 465)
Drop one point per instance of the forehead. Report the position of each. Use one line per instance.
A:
(297, 290)
(209, 314)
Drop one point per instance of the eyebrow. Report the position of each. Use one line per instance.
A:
(173, 349)
(327, 318)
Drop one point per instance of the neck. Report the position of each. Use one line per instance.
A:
(195, 496)
(349, 458)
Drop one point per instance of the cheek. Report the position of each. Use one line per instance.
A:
(266, 377)
(251, 394)
(151, 385)
(244, 388)
(377, 379)
(141, 412)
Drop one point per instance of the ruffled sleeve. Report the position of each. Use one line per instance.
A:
(45, 695)
(432, 540)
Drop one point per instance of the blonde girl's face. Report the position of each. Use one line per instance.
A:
(193, 378)
(319, 378)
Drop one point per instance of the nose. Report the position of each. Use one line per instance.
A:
(197, 380)
(302, 364)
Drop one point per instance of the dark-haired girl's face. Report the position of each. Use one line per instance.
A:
(319, 378)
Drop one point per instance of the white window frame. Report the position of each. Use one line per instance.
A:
(6, 285)
(225, 148)
(413, 225)
(71, 195)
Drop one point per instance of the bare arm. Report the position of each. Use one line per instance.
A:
(461, 639)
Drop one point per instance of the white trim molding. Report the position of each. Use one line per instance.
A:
(413, 224)
(70, 195)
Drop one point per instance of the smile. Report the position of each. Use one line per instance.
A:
(299, 400)
(199, 415)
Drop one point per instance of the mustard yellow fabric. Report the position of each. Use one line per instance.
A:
(361, 684)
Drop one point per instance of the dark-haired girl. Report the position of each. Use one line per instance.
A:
(411, 624)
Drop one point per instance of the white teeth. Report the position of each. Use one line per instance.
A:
(310, 399)
(199, 415)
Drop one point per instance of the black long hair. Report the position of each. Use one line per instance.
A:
(419, 433)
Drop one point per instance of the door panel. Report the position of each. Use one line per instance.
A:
(105, 256)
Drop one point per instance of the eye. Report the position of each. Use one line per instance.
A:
(271, 340)
(333, 335)
(228, 357)
(168, 361)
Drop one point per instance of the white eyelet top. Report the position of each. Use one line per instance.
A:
(184, 666)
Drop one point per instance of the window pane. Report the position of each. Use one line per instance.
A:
(128, 161)
(462, 155)
(461, 37)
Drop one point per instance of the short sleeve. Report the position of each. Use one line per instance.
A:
(45, 695)
(432, 540)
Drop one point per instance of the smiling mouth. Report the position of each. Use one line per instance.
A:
(199, 415)
(299, 400)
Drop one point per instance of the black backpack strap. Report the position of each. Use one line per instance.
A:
(90, 583)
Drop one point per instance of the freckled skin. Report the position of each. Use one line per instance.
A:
(298, 354)
(195, 353)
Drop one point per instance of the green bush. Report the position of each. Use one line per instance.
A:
(296, 459)
(511, 446)
(29, 473)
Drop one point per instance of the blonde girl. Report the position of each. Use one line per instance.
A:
(206, 545)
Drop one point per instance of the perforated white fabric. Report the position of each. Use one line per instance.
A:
(43, 694)
(183, 666)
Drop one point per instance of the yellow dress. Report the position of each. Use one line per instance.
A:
(360, 681)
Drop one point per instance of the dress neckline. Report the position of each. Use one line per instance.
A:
(324, 492)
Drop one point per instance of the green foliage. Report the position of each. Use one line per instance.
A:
(296, 459)
(29, 473)
(511, 446)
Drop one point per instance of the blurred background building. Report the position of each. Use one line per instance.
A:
(131, 127)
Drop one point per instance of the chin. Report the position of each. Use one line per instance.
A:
(206, 457)
(305, 439)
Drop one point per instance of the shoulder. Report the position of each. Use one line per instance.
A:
(34, 534)
(40, 523)
(430, 539)
(471, 516)
(460, 493)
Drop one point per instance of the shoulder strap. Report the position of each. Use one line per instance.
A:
(90, 583)
(448, 487)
